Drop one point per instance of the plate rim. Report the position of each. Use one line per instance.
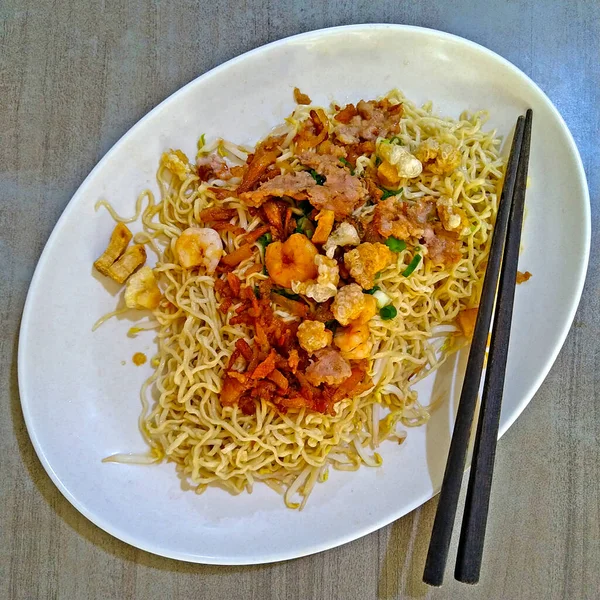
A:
(354, 534)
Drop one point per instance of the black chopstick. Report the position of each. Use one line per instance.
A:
(446, 511)
(470, 547)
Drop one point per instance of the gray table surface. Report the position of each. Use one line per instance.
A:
(75, 76)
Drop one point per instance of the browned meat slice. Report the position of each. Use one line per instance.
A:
(417, 220)
(403, 219)
(212, 166)
(328, 147)
(341, 192)
(443, 247)
(422, 211)
(375, 192)
(294, 185)
(324, 164)
(372, 120)
(330, 367)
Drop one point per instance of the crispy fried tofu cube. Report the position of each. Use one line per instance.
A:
(325, 220)
(388, 174)
(120, 237)
(142, 290)
(134, 257)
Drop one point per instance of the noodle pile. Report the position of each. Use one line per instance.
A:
(183, 419)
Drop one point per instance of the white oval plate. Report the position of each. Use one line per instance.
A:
(81, 403)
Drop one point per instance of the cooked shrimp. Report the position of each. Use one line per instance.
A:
(353, 341)
(361, 351)
(369, 311)
(199, 246)
(292, 260)
(348, 338)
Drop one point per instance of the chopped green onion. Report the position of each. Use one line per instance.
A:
(382, 299)
(372, 290)
(202, 141)
(387, 313)
(394, 244)
(388, 193)
(396, 140)
(320, 179)
(306, 207)
(331, 325)
(265, 239)
(412, 265)
(347, 164)
(377, 161)
(305, 226)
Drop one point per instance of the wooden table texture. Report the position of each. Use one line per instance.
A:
(74, 77)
